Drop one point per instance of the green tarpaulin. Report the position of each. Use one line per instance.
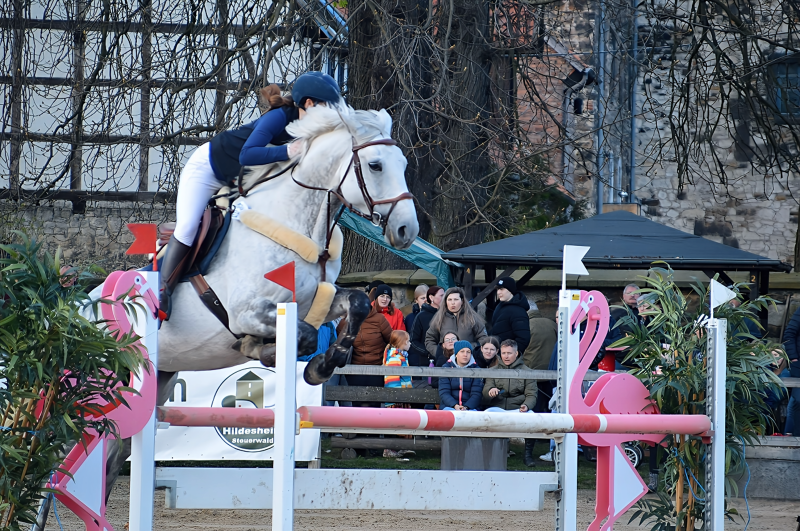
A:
(421, 253)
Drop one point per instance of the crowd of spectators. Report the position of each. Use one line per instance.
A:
(443, 330)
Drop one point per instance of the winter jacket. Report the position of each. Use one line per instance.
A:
(472, 334)
(394, 357)
(418, 355)
(372, 338)
(393, 315)
(620, 313)
(409, 320)
(544, 334)
(791, 343)
(481, 361)
(515, 392)
(457, 390)
(510, 321)
(326, 336)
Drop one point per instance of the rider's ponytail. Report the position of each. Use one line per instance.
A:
(270, 98)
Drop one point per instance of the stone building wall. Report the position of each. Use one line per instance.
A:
(97, 236)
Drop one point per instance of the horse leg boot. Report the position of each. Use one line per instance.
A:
(175, 263)
(356, 303)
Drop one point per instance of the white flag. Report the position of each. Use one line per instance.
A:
(573, 255)
(720, 294)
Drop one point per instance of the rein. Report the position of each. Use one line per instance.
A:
(355, 162)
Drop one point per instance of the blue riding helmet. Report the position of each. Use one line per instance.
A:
(317, 86)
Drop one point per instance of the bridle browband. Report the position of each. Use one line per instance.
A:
(372, 216)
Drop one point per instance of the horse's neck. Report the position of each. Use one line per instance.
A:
(298, 208)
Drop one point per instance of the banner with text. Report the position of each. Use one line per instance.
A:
(247, 386)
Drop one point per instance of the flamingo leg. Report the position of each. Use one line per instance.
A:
(604, 486)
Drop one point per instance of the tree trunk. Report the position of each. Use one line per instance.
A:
(397, 54)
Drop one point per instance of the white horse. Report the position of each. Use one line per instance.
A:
(349, 159)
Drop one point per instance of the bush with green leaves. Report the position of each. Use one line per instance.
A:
(668, 346)
(54, 363)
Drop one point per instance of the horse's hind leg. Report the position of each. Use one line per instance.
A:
(355, 304)
(118, 451)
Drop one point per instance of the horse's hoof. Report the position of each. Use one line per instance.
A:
(249, 346)
(267, 356)
(311, 376)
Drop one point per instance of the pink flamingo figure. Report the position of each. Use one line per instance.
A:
(84, 492)
(619, 485)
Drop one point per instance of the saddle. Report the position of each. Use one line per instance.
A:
(214, 226)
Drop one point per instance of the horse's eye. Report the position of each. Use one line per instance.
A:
(376, 166)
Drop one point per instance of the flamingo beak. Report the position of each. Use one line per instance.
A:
(150, 298)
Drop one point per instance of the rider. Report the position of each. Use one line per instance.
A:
(218, 163)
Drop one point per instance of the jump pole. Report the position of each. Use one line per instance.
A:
(286, 423)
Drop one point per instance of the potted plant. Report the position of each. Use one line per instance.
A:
(667, 345)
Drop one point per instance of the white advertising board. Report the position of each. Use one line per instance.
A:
(246, 386)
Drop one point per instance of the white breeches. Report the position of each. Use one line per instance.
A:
(197, 185)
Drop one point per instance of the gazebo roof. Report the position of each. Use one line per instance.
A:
(618, 240)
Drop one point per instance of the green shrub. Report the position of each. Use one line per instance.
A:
(53, 362)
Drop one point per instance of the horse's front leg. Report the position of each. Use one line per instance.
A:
(355, 304)
(258, 324)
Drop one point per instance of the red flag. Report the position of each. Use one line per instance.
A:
(283, 276)
(145, 236)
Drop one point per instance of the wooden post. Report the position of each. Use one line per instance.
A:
(222, 70)
(16, 96)
(78, 61)
(144, 105)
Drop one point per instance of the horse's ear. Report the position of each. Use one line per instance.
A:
(386, 122)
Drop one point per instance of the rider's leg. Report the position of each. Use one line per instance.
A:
(197, 185)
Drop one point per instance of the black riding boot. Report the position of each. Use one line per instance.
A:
(172, 269)
(528, 457)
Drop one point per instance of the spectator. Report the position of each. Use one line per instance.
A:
(445, 351)
(459, 393)
(544, 334)
(383, 301)
(490, 348)
(791, 343)
(510, 317)
(630, 296)
(396, 355)
(509, 394)
(419, 356)
(420, 298)
(368, 347)
(326, 336)
(455, 315)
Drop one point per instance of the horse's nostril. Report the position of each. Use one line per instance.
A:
(402, 232)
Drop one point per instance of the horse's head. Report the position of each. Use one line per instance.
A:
(369, 177)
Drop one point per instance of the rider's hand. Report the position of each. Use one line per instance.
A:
(295, 148)
(493, 392)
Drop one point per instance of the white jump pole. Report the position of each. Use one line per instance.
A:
(143, 444)
(566, 454)
(286, 423)
(717, 369)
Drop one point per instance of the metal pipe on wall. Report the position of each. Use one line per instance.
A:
(601, 89)
(634, 79)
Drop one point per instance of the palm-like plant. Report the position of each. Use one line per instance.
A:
(668, 345)
(54, 363)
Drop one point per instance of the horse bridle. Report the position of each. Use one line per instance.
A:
(374, 217)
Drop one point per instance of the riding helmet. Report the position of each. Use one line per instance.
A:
(317, 86)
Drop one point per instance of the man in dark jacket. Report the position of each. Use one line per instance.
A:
(418, 355)
(544, 334)
(630, 296)
(510, 318)
(791, 343)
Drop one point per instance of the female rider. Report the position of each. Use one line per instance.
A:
(218, 163)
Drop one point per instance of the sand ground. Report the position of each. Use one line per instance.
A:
(767, 515)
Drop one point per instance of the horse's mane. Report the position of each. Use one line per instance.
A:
(362, 125)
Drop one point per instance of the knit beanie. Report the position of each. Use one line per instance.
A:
(458, 345)
(509, 283)
(383, 289)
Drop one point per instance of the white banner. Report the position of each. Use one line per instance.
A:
(247, 386)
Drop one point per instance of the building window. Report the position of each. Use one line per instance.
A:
(786, 77)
